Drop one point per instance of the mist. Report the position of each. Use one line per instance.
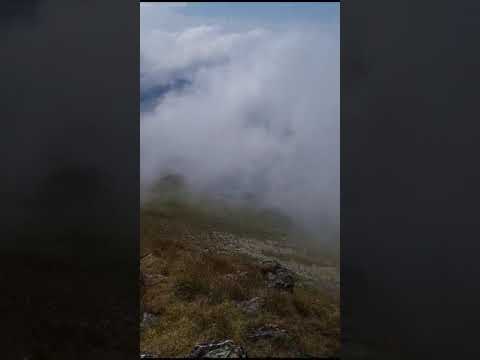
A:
(256, 111)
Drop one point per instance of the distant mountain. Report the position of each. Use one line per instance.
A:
(149, 97)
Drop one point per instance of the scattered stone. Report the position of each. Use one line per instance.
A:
(242, 274)
(269, 265)
(147, 258)
(268, 331)
(149, 356)
(153, 279)
(277, 276)
(235, 276)
(251, 306)
(219, 350)
(148, 320)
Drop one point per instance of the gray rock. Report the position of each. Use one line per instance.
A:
(149, 356)
(236, 276)
(218, 350)
(148, 320)
(153, 279)
(251, 306)
(277, 276)
(269, 331)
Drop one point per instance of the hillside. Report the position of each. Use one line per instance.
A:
(213, 272)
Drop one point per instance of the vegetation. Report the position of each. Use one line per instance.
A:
(199, 294)
(171, 200)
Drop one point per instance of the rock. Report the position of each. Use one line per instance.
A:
(149, 356)
(147, 259)
(153, 279)
(236, 276)
(251, 306)
(269, 265)
(268, 331)
(218, 350)
(148, 320)
(242, 274)
(277, 276)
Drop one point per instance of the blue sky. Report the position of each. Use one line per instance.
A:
(271, 12)
(239, 15)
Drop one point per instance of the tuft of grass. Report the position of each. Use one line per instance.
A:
(302, 304)
(229, 289)
(279, 303)
(188, 288)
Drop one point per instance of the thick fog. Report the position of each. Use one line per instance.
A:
(253, 110)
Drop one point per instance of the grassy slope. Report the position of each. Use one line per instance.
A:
(196, 293)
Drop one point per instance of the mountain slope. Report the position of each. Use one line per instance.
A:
(204, 272)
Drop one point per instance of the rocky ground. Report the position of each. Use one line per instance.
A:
(320, 275)
(211, 288)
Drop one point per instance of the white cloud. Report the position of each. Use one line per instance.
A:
(164, 4)
(177, 4)
(263, 108)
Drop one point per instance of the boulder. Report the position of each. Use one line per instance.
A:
(149, 356)
(251, 306)
(153, 279)
(148, 320)
(277, 276)
(269, 331)
(218, 350)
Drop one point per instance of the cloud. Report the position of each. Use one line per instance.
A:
(165, 55)
(177, 4)
(261, 114)
(164, 4)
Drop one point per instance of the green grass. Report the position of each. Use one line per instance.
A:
(204, 213)
(198, 299)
